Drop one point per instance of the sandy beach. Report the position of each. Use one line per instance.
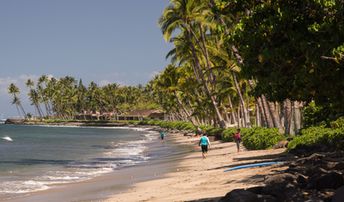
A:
(183, 176)
(197, 179)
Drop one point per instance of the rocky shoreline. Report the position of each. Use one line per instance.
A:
(315, 177)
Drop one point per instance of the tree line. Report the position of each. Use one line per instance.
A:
(66, 97)
(244, 63)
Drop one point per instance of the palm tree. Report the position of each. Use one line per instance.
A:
(14, 91)
(182, 15)
(33, 96)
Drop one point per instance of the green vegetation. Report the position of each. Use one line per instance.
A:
(253, 138)
(64, 98)
(322, 136)
(261, 138)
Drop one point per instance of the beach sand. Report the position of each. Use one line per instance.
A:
(182, 176)
(197, 179)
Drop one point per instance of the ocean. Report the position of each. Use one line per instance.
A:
(40, 157)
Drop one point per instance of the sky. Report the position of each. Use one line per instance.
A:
(105, 41)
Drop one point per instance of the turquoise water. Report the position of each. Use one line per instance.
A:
(40, 157)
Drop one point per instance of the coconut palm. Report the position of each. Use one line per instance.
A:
(14, 91)
(34, 97)
(183, 15)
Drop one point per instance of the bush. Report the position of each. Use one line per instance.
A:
(227, 135)
(339, 123)
(260, 138)
(255, 138)
(217, 132)
(331, 138)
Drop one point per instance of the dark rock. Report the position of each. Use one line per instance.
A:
(339, 166)
(281, 186)
(338, 195)
(256, 190)
(315, 170)
(281, 190)
(296, 170)
(240, 195)
(280, 178)
(301, 181)
(329, 165)
(326, 195)
(267, 198)
(332, 180)
(14, 121)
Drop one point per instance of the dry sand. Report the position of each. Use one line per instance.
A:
(203, 179)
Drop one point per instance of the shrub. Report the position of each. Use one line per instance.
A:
(217, 132)
(227, 135)
(260, 138)
(332, 138)
(339, 123)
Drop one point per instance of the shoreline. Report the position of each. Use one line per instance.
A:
(119, 180)
(182, 177)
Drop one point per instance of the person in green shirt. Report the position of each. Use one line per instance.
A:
(204, 143)
(162, 135)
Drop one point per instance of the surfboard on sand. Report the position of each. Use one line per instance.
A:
(252, 165)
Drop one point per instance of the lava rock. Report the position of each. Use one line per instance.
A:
(240, 195)
(332, 180)
(338, 195)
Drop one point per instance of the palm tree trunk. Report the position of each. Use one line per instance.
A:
(287, 115)
(261, 110)
(258, 116)
(275, 116)
(22, 109)
(297, 115)
(234, 118)
(267, 112)
(242, 102)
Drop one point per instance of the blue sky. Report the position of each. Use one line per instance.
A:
(96, 40)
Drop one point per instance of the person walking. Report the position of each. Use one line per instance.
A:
(237, 139)
(162, 135)
(204, 143)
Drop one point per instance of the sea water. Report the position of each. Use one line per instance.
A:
(40, 157)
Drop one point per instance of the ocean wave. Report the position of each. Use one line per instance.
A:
(18, 187)
(116, 155)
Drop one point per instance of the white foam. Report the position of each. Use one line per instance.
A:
(18, 187)
(132, 153)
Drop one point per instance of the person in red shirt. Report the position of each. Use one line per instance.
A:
(237, 139)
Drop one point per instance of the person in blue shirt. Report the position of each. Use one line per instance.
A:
(162, 135)
(204, 143)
